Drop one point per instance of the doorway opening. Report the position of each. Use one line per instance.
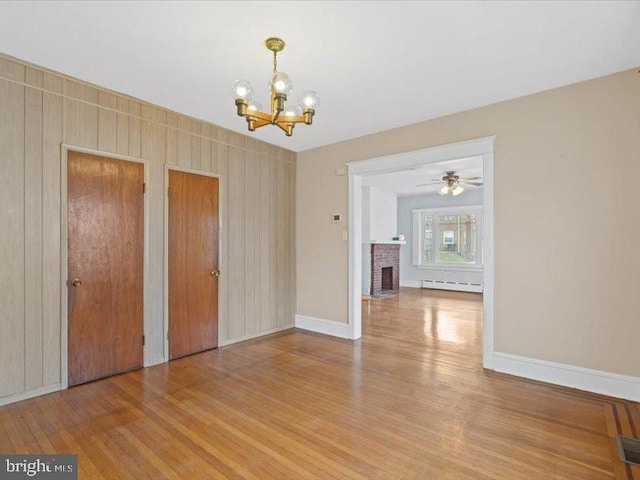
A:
(434, 237)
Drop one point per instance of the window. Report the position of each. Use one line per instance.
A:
(448, 237)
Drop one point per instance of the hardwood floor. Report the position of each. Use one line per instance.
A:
(408, 401)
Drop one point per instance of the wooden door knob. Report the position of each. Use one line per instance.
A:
(76, 282)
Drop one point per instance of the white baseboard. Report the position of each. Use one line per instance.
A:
(411, 283)
(231, 341)
(17, 397)
(328, 327)
(455, 286)
(596, 381)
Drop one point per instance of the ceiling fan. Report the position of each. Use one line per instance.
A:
(453, 183)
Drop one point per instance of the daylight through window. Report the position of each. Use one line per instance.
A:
(448, 237)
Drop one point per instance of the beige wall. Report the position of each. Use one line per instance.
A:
(567, 222)
(39, 111)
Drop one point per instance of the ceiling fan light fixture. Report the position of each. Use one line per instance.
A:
(453, 183)
(282, 113)
(457, 190)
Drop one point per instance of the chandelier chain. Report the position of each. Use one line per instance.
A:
(275, 62)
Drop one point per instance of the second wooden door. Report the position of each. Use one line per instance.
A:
(193, 263)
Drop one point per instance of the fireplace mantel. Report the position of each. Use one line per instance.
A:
(386, 242)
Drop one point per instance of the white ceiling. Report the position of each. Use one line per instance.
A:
(376, 65)
(406, 182)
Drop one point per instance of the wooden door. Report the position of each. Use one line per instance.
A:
(105, 216)
(193, 263)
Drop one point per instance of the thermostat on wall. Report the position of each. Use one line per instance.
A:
(337, 218)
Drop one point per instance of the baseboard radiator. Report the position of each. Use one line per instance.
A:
(448, 285)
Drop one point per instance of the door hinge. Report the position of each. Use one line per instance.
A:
(169, 192)
(167, 334)
(144, 188)
(143, 340)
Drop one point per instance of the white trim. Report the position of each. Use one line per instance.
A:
(319, 325)
(191, 170)
(385, 242)
(403, 161)
(448, 210)
(411, 283)
(416, 158)
(64, 291)
(165, 320)
(416, 237)
(354, 316)
(488, 260)
(231, 341)
(605, 383)
(36, 392)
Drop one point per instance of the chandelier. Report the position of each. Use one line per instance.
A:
(282, 113)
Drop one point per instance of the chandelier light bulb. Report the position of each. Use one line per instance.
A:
(254, 106)
(309, 99)
(281, 83)
(457, 190)
(242, 89)
(291, 110)
(444, 190)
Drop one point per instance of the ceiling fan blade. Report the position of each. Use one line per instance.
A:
(427, 184)
(471, 178)
(477, 184)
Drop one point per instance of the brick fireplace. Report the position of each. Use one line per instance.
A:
(385, 269)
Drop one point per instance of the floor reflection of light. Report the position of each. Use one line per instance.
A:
(441, 326)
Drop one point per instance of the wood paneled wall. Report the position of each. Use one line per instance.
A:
(39, 111)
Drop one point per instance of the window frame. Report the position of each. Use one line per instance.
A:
(418, 225)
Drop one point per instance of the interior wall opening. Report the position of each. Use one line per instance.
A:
(422, 239)
(433, 210)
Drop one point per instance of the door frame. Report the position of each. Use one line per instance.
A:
(64, 252)
(221, 278)
(403, 161)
